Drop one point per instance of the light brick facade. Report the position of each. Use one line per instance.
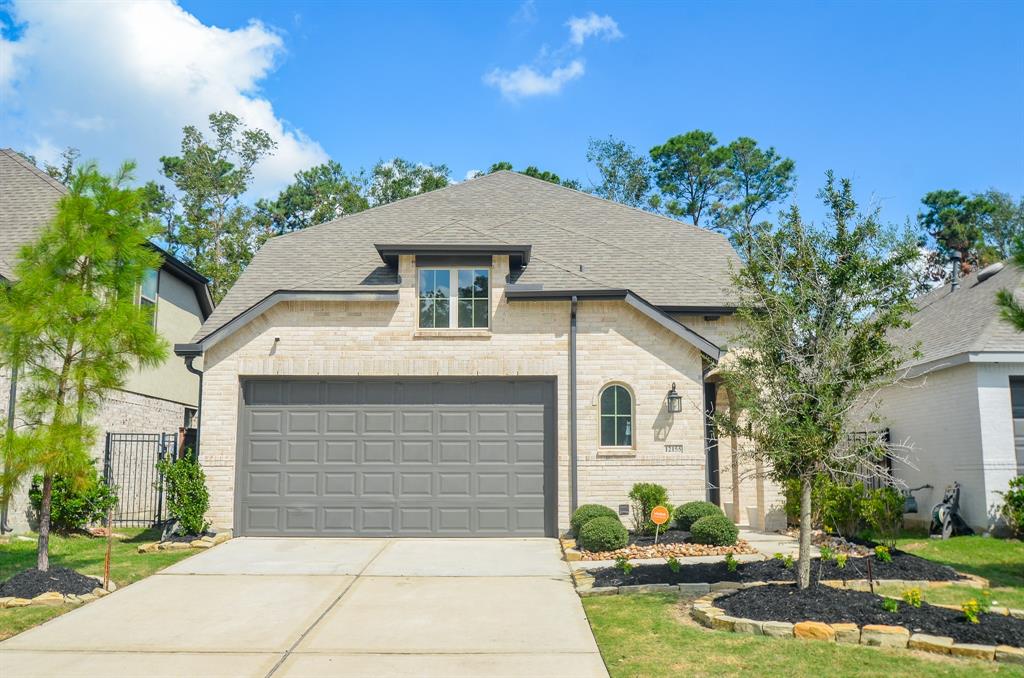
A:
(615, 343)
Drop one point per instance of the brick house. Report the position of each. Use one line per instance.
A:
(160, 399)
(474, 361)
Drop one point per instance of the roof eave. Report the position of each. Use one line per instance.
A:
(519, 255)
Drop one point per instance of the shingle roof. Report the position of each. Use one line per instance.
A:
(578, 242)
(949, 323)
(28, 202)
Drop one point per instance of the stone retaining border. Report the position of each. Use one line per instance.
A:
(205, 542)
(704, 612)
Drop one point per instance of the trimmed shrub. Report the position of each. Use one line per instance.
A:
(74, 504)
(603, 534)
(187, 496)
(692, 511)
(1013, 506)
(883, 512)
(588, 512)
(714, 531)
(841, 507)
(644, 497)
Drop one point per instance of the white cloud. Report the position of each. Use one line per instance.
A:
(526, 81)
(120, 80)
(582, 28)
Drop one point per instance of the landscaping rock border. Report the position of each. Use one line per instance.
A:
(204, 542)
(664, 550)
(55, 598)
(704, 612)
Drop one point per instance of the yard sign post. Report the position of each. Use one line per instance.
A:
(659, 516)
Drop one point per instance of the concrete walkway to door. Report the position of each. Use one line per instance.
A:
(329, 607)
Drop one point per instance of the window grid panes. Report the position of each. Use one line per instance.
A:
(469, 297)
(616, 417)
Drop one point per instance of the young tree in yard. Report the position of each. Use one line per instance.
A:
(210, 227)
(817, 306)
(71, 325)
(625, 174)
(754, 180)
(688, 169)
(319, 194)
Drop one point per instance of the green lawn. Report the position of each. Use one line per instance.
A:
(1001, 561)
(84, 554)
(651, 635)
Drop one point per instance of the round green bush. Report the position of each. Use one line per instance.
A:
(692, 511)
(714, 531)
(588, 512)
(602, 534)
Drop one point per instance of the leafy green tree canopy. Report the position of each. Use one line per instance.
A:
(625, 174)
(954, 221)
(73, 327)
(688, 169)
(536, 173)
(318, 194)
(398, 178)
(753, 180)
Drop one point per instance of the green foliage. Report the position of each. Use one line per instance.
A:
(890, 605)
(1012, 509)
(603, 534)
(788, 561)
(972, 611)
(818, 306)
(625, 174)
(985, 600)
(731, 563)
(186, 493)
(622, 563)
(73, 329)
(777, 556)
(317, 195)
(674, 564)
(643, 498)
(208, 224)
(692, 511)
(588, 512)
(533, 171)
(841, 507)
(827, 553)
(75, 502)
(753, 180)
(954, 221)
(688, 169)
(714, 531)
(882, 554)
(841, 559)
(883, 511)
(398, 178)
(912, 597)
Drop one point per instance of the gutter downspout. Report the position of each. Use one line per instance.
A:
(199, 402)
(573, 474)
(4, 527)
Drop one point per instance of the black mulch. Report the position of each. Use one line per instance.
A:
(30, 583)
(669, 537)
(903, 566)
(829, 605)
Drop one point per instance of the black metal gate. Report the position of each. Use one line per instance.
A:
(129, 468)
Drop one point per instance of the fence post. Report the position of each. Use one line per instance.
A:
(160, 455)
(106, 459)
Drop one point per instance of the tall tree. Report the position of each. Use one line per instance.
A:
(64, 170)
(625, 174)
(318, 194)
(954, 221)
(73, 328)
(398, 178)
(817, 306)
(216, 233)
(754, 179)
(536, 173)
(689, 171)
(1002, 223)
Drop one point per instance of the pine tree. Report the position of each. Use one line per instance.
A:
(72, 327)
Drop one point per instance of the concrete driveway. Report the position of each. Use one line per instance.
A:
(338, 607)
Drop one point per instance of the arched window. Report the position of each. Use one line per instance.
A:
(616, 417)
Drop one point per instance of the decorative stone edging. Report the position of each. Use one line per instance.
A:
(706, 614)
(55, 598)
(205, 542)
(573, 553)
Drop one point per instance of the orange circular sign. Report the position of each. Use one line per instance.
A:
(659, 515)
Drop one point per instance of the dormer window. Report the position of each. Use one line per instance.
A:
(468, 298)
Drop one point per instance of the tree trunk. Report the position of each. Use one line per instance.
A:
(734, 459)
(804, 563)
(43, 550)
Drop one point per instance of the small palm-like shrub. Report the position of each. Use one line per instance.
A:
(692, 511)
(714, 531)
(603, 534)
(584, 514)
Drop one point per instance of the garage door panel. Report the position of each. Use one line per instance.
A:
(439, 457)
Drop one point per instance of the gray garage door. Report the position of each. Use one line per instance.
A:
(454, 458)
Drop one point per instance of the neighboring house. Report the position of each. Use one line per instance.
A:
(474, 361)
(962, 407)
(159, 399)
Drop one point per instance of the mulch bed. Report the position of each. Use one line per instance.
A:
(903, 566)
(672, 543)
(31, 583)
(829, 605)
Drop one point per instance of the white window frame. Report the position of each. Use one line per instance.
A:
(453, 296)
(154, 300)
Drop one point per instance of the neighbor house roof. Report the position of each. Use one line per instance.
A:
(955, 326)
(28, 202)
(576, 242)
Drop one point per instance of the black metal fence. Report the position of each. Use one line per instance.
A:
(129, 468)
(878, 473)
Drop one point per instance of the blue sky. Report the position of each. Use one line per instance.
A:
(902, 97)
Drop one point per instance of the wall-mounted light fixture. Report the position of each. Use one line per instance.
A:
(675, 401)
